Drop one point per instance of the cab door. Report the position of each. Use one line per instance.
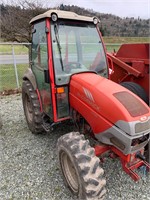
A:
(40, 65)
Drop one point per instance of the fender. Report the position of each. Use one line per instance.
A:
(96, 97)
(30, 76)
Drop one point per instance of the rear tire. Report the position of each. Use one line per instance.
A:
(80, 167)
(136, 89)
(31, 108)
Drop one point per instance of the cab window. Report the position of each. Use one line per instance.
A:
(39, 46)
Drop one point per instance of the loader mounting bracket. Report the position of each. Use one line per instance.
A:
(130, 169)
(129, 162)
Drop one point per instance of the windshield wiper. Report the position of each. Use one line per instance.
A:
(58, 44)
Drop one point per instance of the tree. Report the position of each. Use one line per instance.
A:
(102, 30)
(15, 20)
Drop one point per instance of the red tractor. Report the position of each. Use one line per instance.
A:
(69, 80)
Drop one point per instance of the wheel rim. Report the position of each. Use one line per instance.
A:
(28, 109)
(69, 172)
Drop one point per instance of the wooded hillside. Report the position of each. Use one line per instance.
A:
(112, 25)
(15, 22)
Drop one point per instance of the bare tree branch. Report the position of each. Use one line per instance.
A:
(15, 20)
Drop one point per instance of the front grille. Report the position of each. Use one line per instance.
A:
(140, 127)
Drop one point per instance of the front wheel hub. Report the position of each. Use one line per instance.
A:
(69, 171)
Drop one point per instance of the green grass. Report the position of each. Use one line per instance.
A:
(113, 43)
(21, 49)
(7, 73)
(112, 48)
(8, 78)
(120, 40)
(18, 49)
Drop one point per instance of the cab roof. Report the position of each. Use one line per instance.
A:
(63, 15)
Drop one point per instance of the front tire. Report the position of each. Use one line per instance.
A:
(80, 167)
(31, 108)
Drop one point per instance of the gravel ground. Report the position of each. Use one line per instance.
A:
(29, 167)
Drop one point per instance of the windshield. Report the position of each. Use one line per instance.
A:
(76, 48)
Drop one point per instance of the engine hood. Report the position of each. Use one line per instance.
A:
(104, 103)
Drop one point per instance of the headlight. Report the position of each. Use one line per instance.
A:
(95, 20)
(54, 17)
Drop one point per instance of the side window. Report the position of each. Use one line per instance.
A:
(39, 46)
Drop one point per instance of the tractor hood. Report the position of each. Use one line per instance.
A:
(104, 104)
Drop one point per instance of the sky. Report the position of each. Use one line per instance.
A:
(121, 8)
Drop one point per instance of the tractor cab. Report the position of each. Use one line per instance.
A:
(68, 78)
(64, 44)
